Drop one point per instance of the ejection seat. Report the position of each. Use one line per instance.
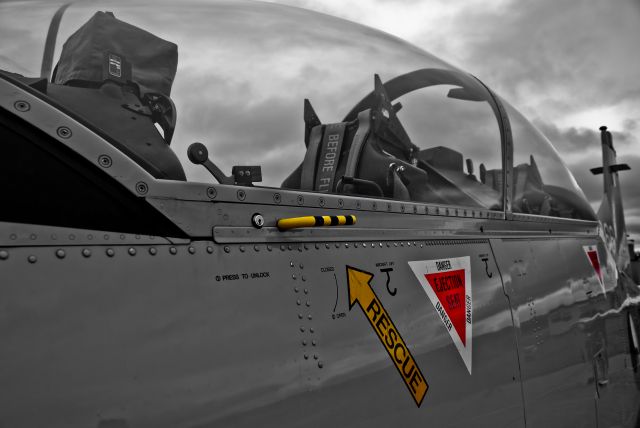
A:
(370, 155)
(117, 78)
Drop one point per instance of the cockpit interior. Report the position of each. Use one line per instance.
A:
(433, 134)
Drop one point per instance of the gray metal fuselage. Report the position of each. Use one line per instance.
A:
(238, 326)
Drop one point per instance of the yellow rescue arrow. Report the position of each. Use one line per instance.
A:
(360, 291)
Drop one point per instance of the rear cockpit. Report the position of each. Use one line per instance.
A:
(220, 74)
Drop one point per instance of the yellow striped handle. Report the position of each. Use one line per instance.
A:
(316, 221)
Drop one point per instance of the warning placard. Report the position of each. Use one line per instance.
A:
(447, 283)
(592, 254)
(360, 292)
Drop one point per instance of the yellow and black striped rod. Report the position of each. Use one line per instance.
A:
(316, 221)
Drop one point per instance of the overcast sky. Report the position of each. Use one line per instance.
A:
(569, 65)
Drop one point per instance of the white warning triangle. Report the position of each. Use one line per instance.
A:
(447, 283)
(591, 252)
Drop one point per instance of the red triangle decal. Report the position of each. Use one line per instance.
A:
(595, 262)
(449, 286)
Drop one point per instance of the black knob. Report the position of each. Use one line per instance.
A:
(198, 153)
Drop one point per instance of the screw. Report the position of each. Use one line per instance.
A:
(191, 250)
(277, 198)
(86, 252)
(64, 132)
(22, 106)
(110, 252)
(209, 249)
(241, 195)
(153, 251)
(131, 251)
(142, 188)
(211, 192)
(104, 161)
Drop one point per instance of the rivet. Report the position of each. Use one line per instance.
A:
(122, 237)
(22, 106)
(32, 259)
(13, 236)
(54, 236)
(320, 364)
(340, 203)
(241, 195)
(191, 250)
(311, 330)
(104, 161)
(4, 255)
(306, 291)
(355, 245)
(290, 264)
(300, 200)
(106, 237)
(298, 302)
(282, 248)
(315, 356)
(301, 266)
(110, 252)
(72, 237)
(306, 357)
(64, 132)
(321, 201)
(293, 276)
(317, 246)
(327, 246)
(256, 248)
(307, 303)
(209, 249)
(313, 343)
(33, 237)
(309, 317)
(296, 289)
(302, 329)
(290, 247)
(90, 237)
(300, 316)
(153, 251)
(346, 245)
(269, 248)
(142, 188)
(131, 251)
(304, 343)
(174, 250)
(277, 198)
(227, 249)
(304, 278)
(86, 252)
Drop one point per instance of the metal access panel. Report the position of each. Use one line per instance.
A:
(122, 330)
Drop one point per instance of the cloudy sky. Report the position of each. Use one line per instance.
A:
(569, 65)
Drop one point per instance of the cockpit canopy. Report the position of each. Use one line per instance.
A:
(319, 103)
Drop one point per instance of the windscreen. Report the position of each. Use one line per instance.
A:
(245, 68)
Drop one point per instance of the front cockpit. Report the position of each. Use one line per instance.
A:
(296, 99)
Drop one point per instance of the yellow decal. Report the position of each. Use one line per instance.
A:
(360, 291)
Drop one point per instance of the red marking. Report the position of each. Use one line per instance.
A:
(449, 287)
(595, 262)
